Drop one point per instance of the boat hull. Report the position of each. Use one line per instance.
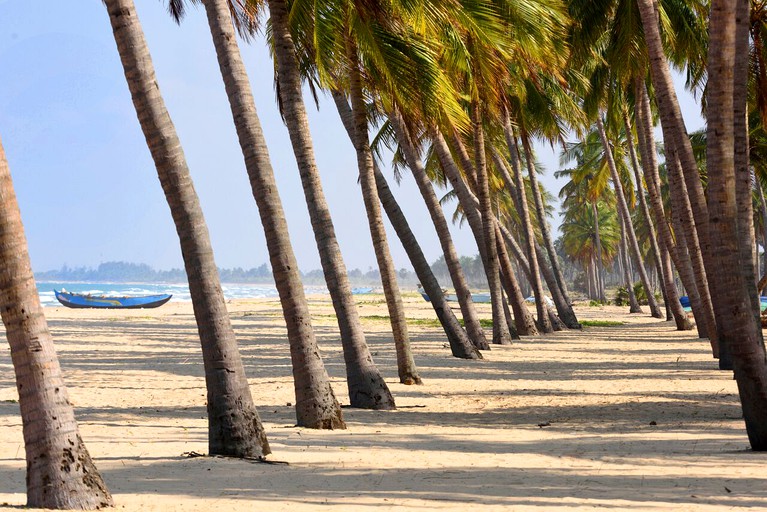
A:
(79, 301)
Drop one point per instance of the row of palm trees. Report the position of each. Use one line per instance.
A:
(459, 90)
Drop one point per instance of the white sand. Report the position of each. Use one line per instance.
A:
(467, 439)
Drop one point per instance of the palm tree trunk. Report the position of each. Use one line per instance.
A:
(743, 174)
(681, 208)
(522, 315)
(60, 472)
(367, 389)
(650, 169)
(672, 122)
(527, 227)
(460, 344)
(370, 197)
(763, 205)
(627, 222)
(234, 428)
(634, 306)
(470, 205)
(462, 291)
(500, 328)
(316, 404)
(598, 252)
(734, 308)
(670, 296)
(548, 242)
(556, 322)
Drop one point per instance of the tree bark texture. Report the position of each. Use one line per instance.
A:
(470, 205)
(627, 222)
(370, 198)
(734, 309)
(670, 294)
(500, 328)
(316, 404)
(367, 388)
(527, 228)
(462, 291)
(234, 427)
(60, 472)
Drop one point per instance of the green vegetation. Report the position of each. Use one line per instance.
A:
(601, 323)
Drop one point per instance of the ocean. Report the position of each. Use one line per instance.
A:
(180, 292)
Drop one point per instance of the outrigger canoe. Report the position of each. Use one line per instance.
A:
(78, 300)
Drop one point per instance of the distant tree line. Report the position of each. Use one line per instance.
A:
(125, 272)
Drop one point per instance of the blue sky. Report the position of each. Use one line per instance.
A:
(87, 186)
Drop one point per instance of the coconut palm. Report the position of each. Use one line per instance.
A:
(60, 472)
(316, 404)
(461, 346)
(409, 151)
(367, 388)
(234, 427)
(734, 307)
(627, 223)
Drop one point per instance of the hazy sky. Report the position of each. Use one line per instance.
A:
(87, 186)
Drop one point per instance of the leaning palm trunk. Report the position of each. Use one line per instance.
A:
(743, 173)
(734, 307)
(634, 306)
(519, 256)
(316, 404)
(598, 251)
(548, 242)
(234, 428)
(527, 226)
(370, 198)
(674, 130)
(650, 170)
(627, 222)
(565, 310)
(678, 143)
(470, 205)
(460, 345)
(60, 472)
(670, 294)
(509, 281)
(367, 389)
(457, 276)
(500, 327)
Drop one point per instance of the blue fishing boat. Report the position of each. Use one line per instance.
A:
(79, 300)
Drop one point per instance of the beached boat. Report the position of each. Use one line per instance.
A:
(79, 300)
(361, 291)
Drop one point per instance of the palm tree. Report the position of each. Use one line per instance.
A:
(524, 323)
(460, 344)
(627, 223)
(518, 186)
(734, 307)
(60, 472)
(316, 404)
(471, 319)
(367, 388)
(678, 144)
(234, 428)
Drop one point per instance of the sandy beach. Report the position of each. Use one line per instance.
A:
(629, 417)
